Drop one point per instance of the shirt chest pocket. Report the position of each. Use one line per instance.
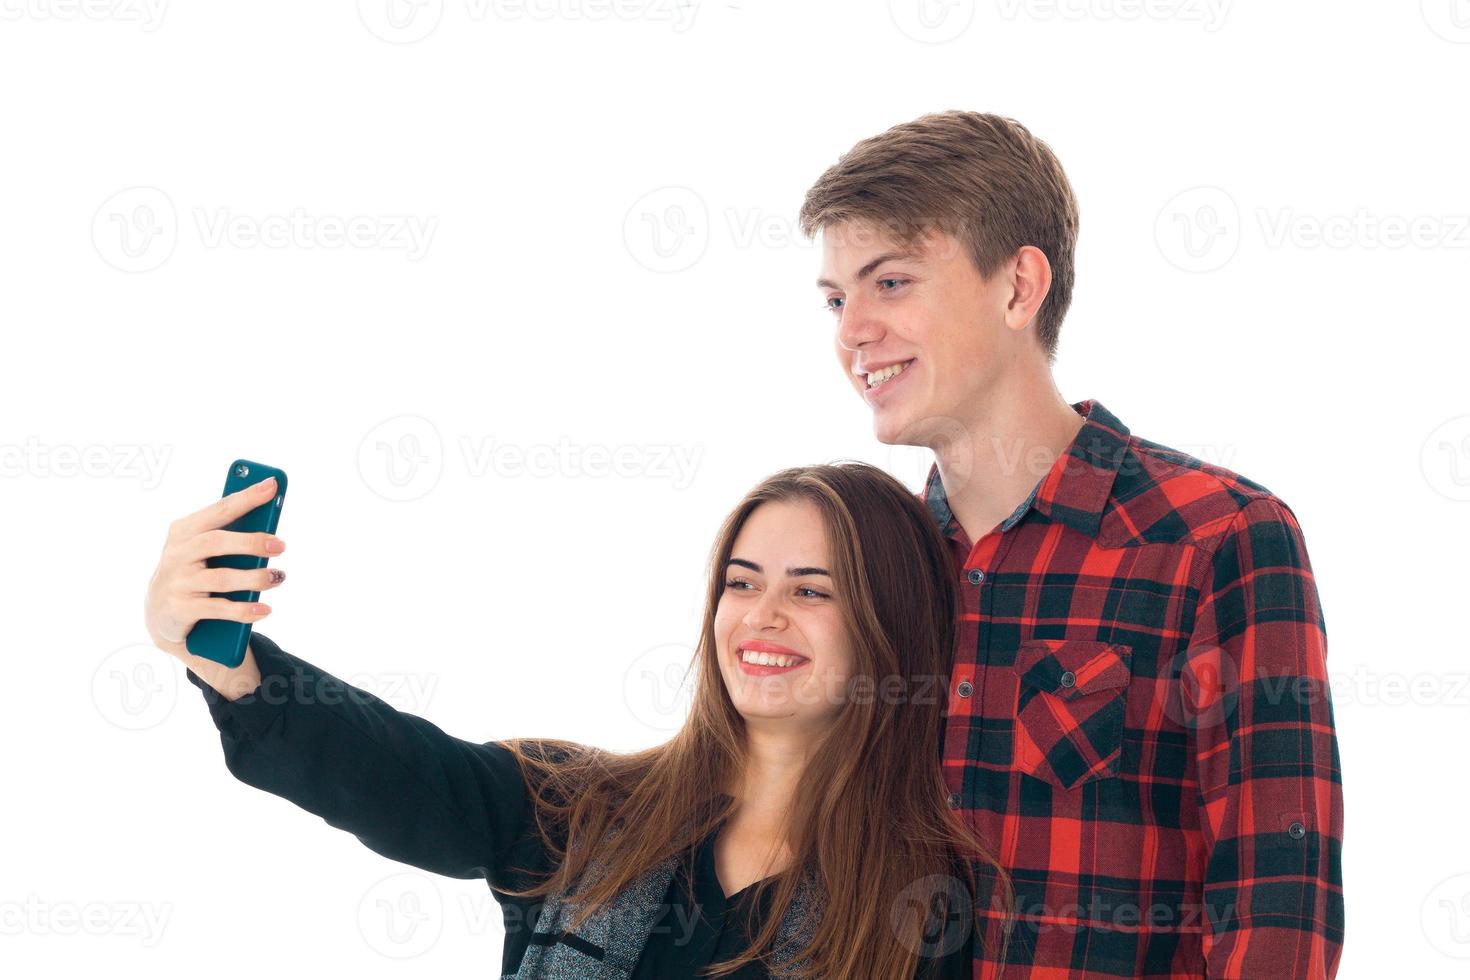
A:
(1070, 701)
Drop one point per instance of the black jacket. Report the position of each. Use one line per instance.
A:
(415, 794)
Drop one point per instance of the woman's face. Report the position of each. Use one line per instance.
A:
(778, 597)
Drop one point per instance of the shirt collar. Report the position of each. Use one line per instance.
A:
(1074, 491)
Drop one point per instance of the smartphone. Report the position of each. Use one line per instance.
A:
(224, 640)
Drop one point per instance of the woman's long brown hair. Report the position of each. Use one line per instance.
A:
(870, 815)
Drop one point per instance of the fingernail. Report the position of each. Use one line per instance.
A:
(269, 483)
(275, 546)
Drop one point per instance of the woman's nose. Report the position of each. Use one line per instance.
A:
(766, 611)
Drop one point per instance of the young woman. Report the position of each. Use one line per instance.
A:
(797, 825)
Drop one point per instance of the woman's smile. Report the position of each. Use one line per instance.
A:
(761, 670)
(760, 658)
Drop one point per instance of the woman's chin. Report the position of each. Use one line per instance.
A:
(765, 709)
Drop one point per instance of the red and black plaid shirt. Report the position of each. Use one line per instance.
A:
(1139, 723)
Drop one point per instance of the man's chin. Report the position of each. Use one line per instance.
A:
(887, 435)
(894, 429)
(933, 432)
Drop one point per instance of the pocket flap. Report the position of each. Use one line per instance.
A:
(1071, 669)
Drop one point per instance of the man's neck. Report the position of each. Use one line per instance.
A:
(1021, 430)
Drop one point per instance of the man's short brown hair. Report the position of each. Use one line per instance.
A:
(982, 178)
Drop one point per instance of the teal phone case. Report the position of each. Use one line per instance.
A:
(224, 640)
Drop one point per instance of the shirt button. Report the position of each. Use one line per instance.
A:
(954, 801)
(965, 689)
(1069, 679)
(976, 576)
(1297, 831)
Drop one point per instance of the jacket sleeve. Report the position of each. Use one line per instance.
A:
(397, 782)
(1266, 752)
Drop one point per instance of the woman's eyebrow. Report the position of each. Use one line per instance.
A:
(793, 572)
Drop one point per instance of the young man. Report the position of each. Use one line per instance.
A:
(1139, 722)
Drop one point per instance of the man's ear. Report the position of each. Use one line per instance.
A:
(1029, 276)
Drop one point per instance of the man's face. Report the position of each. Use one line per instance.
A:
(930, 311)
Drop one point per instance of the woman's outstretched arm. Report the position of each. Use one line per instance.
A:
(404, 787)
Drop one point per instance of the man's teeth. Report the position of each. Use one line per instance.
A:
(883, 374)
(769, 659)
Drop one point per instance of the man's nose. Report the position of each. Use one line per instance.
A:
(858, 326)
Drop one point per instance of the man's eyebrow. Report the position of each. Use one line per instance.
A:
(793, 572)
(867, 270)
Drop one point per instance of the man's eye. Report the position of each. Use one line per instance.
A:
(833, 301)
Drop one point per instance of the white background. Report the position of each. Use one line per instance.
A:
(173, 298)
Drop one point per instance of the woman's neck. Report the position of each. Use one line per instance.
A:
(774, 764)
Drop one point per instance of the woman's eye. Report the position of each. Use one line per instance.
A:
(737, 584)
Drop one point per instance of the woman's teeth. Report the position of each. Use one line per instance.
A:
(769, 659)
(883, 374)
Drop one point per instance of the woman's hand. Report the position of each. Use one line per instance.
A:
(179, 591)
